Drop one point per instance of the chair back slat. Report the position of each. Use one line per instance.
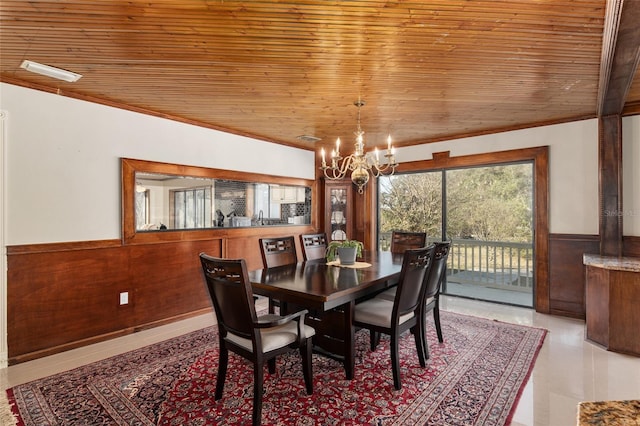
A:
(401, 241)
(314, 246)
(278, 251)
(415, 267)
(228, 286)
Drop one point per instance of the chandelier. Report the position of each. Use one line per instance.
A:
(359, 163)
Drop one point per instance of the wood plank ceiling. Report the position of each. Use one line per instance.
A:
(278, 70)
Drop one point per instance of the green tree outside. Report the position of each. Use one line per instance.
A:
(484, 203)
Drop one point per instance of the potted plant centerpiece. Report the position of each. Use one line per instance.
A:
(345, 250)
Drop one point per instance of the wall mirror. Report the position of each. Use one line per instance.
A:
(163, 197)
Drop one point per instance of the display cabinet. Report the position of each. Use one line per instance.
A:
(339, 210)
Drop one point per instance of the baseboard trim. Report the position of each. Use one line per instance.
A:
(96, 339)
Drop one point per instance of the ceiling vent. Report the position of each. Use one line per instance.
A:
(308, 138)
(50, 71)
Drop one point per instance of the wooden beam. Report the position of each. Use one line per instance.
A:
(610, 184)
(620, 55)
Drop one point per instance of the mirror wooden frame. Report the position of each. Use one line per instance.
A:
(129, 168)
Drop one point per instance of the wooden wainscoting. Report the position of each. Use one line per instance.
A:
(66, 295)
(631, 246)
(567, 272)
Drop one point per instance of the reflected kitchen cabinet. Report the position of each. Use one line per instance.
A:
(287, 194)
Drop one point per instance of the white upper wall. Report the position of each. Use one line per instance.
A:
(630, 176)
(63, 170)
(573, 167)
(63, 162)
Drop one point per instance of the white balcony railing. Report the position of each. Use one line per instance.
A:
(491, 264)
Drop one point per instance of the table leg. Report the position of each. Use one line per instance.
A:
(349, 341)
(335, 335)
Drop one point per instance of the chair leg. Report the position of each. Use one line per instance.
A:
(258, 389)
(271, 306)
(222, 370)
(422, 329)
(395, 361)
(272, 366)
(374, 339)
(307, 369)
(436, 320)
(418, 336)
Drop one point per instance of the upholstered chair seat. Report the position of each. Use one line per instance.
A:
(378, 311)
(274, 337)
(390, 294)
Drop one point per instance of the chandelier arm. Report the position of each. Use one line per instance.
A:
(383, 170)
(335, 172)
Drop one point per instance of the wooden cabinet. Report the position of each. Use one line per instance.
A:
(612, 300)
(338, 198)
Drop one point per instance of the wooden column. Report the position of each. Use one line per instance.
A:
(620, 59)
(610, 184)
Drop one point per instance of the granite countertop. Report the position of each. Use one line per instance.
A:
(630, 264)
(609, 413)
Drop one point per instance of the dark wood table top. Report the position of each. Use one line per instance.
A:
(314, 284)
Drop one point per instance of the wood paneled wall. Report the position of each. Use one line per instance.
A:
(62, 296)
(567, 271)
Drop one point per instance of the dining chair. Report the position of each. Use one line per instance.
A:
(380, 315)
(431, 295)
(278, 251)
(259, 339)
(314, 246)
(401, 240)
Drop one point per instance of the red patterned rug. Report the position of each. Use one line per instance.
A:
(474, 378)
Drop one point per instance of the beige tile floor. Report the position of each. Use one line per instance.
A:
(568, 369)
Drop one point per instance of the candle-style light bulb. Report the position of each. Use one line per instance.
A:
(338, 146)
(324, 163)
(377, 155)
(389, 143)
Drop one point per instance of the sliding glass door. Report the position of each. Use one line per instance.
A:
(487, 214)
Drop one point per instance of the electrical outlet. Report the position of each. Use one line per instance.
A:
(124, 298)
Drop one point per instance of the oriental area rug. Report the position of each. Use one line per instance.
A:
(474, 378)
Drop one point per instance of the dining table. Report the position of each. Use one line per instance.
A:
(329, 291)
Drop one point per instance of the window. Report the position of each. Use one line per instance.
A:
(192, 208)
(142, 207)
